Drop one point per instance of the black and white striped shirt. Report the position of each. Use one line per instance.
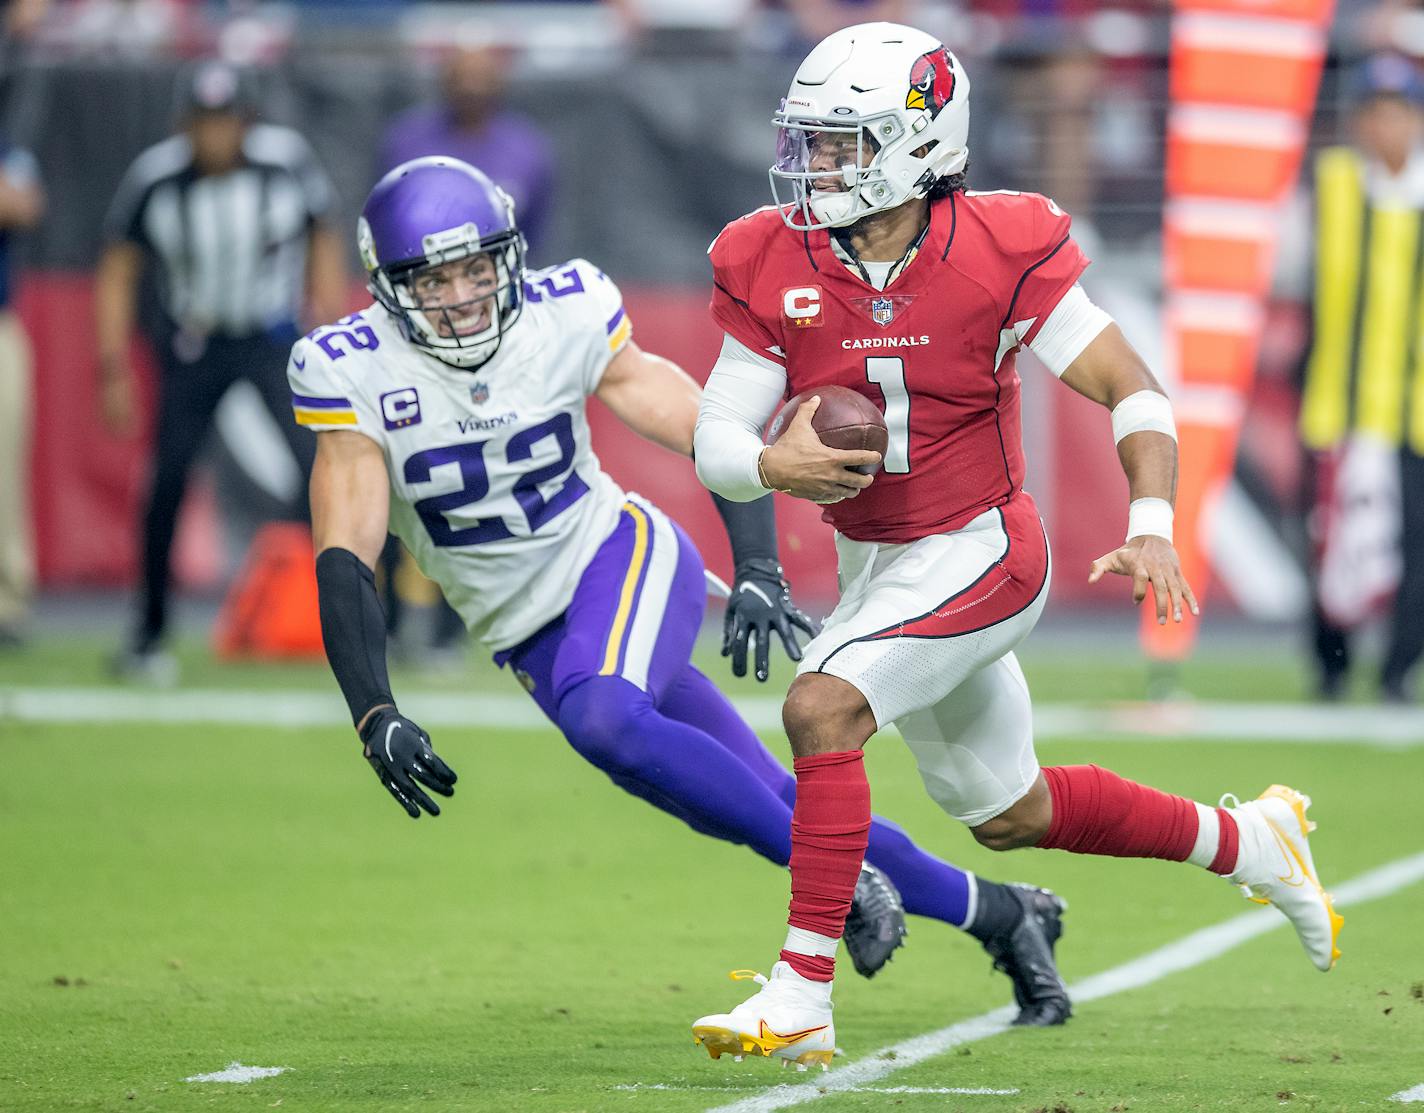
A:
(232, 247)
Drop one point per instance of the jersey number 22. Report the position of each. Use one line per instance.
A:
(475, 484)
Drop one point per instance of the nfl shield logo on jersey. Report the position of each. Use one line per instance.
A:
(882, 311)
(479, 393)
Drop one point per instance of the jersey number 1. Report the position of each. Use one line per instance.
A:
(888, 373)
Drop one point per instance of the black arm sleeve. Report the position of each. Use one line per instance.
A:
(353, 629)
(751, 528)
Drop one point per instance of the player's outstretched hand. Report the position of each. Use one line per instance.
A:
(1150, 560)
(399, 751)
(800, 465)
(760, 603)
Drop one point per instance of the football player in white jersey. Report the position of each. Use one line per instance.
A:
(452, 412)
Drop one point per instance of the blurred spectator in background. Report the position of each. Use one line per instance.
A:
(471, 122)
(815, 19)
(232, 213)
(1362, 411)
(1071, 82)
(22, 19)
(126, 28)
(21, 205)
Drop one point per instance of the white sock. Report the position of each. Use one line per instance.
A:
(1208, 837)
(972, 909)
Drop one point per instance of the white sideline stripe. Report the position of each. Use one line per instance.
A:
(634, 1087)
(1187, 952)
(236, 1072)
(1414, 1093)
(1389, 728)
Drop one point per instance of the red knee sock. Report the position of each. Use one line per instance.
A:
(830, 827)
(1097, 812)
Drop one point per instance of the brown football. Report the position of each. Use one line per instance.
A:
(846, 420)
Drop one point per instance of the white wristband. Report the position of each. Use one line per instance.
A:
(1149, 517)
(1146, 410)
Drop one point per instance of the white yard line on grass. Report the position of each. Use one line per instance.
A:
(1414, 1093)
(966, 1091)
(1191, 950)
(1390, 728)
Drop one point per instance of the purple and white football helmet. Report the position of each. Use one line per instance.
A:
(428, 212)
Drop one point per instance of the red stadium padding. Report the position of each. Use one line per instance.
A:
(86, 484)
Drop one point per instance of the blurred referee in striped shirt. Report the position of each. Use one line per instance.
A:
(232, 215)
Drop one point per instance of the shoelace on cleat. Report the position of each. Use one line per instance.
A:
(748, 976)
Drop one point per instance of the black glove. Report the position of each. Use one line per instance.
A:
(400, 753)
(761, 603)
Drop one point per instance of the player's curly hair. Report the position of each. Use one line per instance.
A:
(950, 183)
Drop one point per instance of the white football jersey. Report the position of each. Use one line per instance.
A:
(495, 488)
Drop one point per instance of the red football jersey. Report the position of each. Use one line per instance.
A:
(935, 349)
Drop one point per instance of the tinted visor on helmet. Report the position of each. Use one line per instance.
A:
(825, 167)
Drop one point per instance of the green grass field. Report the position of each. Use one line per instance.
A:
(175, 898)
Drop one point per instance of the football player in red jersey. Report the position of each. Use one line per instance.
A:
(877, 270)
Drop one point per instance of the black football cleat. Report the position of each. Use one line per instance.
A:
(876, 924)
(1025, 953)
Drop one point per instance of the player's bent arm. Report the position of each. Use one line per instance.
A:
(658, 400)
(350, 494)
(350, 498)
(1111, 373)
(1108, 370)
(651, 395)
(741, 394)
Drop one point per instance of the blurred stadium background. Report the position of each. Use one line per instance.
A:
(657, 116)
(148, 859)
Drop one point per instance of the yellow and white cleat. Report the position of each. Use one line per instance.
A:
(789, 1019)
(1275, 867)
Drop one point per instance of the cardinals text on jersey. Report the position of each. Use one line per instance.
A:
(935, 349)
(495, 488)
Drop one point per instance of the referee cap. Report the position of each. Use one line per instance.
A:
(214, 87)
(1386, 75)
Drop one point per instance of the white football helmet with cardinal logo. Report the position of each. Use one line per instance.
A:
(878, 89)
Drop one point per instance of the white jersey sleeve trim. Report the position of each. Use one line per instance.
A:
(741, 394)
(1074, 324)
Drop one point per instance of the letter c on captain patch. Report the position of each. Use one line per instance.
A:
(400, 408)
(802, 305)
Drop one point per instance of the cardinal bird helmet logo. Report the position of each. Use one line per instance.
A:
(931, 81)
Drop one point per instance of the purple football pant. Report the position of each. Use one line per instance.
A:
(614, 674)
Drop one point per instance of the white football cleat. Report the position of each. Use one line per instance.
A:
(789, 1018)
(1275, 867)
